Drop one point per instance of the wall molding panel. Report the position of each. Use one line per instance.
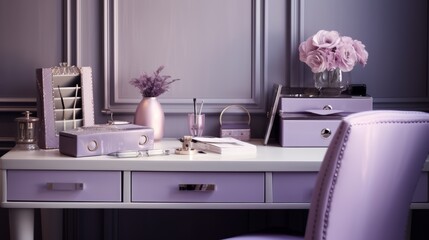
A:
(33, 40)
(230, 73)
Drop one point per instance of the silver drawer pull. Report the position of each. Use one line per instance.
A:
(197, 187)
(326, 132)
(327, 107)
(64, 186)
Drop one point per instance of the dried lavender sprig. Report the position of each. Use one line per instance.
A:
(153, 86)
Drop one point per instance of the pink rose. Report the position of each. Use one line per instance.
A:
(327, 50)
(326, 39)
(346, 40)
(306, 47)
(346, 57)
(362, 54)
(330, 59)
(316, 61)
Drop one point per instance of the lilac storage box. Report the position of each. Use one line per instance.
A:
(312, 121)
(105, 139)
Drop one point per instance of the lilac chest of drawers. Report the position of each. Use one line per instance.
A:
(312, 121)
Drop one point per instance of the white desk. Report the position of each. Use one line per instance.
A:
(274, 178)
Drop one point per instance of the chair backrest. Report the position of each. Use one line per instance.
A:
(368, 176)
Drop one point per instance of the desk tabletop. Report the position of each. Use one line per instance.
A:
(271, 158)
(268, 158)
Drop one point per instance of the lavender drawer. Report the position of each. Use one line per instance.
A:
(297, 187)
(307, 133)
(70, 186)
(204, 187)
(293, 187)
(352, 104)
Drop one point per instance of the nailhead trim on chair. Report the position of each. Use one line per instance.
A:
(331, 190)
(334, 182)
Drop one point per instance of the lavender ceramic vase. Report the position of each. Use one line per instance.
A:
(149, 113)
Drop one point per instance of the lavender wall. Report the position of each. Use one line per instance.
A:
(31, 38)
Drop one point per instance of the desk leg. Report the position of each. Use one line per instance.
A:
(52, 224)
(21, 223)
(408, 230)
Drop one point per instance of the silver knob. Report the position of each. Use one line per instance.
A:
(92, 146)
(326, 132)
(143, 140)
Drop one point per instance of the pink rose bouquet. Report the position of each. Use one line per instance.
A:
(327, 50)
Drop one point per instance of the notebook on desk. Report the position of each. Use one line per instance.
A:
(226, 145)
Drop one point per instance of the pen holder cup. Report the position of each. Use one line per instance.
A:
(196, 124)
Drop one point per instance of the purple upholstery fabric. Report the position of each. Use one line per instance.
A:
(368, 176)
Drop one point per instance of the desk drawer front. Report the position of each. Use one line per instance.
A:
(353, 104)
(197, 187)
(305, 133)
(67, 186)
(293, 187)
(297, 187)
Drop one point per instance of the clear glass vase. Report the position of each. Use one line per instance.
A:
(331, 83)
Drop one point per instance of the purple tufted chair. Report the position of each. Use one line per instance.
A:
(367, 178)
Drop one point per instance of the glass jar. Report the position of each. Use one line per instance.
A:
(331, 83)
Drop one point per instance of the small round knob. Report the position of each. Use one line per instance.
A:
(92, 146)
(143, 140)
(326, 132)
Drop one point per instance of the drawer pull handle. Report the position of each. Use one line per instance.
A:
(197, 187)
(327, 107)
(326, 132)
(64, 186)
